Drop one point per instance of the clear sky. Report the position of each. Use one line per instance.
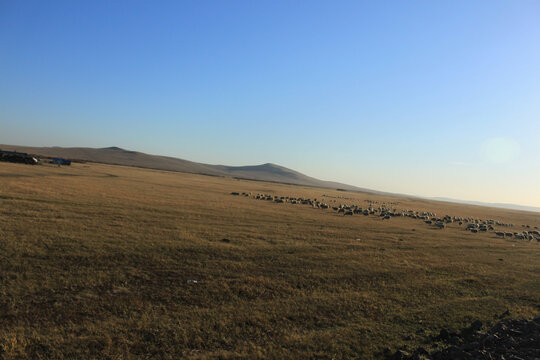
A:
(427, 98)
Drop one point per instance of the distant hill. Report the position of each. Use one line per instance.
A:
(266, 172)
(497, 205)
(118, 156)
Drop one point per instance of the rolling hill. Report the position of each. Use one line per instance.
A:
(265, 172)
(118, 156)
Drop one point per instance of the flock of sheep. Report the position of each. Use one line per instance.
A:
(386, 212)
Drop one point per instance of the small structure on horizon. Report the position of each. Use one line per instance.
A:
(60, 161)
(18, 157)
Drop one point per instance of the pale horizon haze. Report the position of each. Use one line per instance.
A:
(434, 99)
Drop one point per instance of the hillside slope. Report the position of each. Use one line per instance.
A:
(118, 156)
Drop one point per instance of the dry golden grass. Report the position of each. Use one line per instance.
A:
(94, 263)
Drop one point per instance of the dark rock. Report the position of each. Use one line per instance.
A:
(400, 355)
(469, 346)
(476, 326)
(419, 357)
(533, 326)
(508, 339)
(446, 334)
(488, 340)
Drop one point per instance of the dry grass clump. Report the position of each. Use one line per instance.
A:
(95, 263)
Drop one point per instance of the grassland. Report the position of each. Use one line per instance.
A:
(95, 262)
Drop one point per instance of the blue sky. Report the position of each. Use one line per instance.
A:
(420, 97)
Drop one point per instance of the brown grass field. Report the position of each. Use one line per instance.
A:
(95, 262)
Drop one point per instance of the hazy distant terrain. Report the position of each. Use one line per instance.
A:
(118, 156)
(480, 203)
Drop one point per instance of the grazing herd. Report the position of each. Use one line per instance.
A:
(386, 211)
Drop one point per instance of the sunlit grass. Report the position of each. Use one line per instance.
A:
(95, 263)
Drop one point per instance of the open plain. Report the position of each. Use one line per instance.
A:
(104, 261)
